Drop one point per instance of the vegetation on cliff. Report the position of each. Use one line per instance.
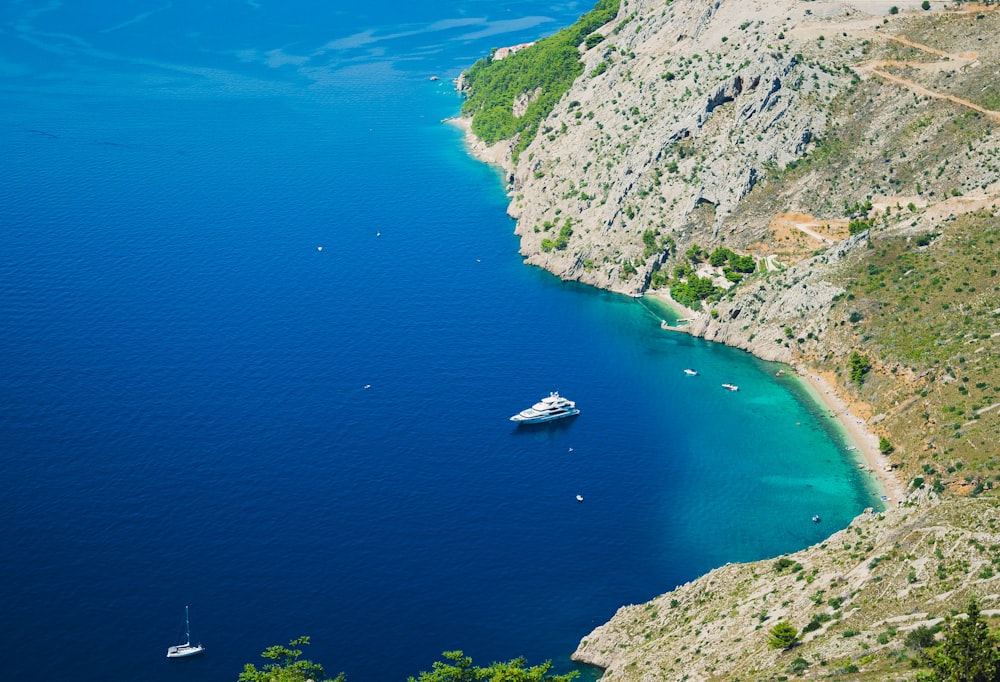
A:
(538, 76)
(287, 666)
(923, 306)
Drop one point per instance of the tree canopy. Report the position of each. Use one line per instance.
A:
(859, 366)
(286, 666)
(541, 73)
(783, 636)
(968, 652)
(457, 667)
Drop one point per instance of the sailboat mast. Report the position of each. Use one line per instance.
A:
(187, 623)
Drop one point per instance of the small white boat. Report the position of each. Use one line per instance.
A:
(579, 498)
(816, 518)
(187, 648)
(731, 387)
(691, 372)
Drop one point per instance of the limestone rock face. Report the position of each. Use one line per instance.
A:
(754, 125)
(695, 100)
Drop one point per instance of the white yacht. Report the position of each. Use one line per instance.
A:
(553, 407)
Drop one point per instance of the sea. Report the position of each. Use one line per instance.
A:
(263, 322)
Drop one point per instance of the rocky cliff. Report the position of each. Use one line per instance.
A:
(754, 125)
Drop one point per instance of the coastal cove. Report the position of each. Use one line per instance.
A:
(823, 391)
(265, 322)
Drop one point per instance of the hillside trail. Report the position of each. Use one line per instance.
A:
(867, 28)
(948, 61)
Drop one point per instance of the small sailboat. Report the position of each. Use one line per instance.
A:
(691, 372)
(731, 387)
(185, 649)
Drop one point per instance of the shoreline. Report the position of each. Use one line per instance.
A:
(824, 393)
(493, 156)
(822, 390)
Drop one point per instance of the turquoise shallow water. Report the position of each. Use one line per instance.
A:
(184, 414)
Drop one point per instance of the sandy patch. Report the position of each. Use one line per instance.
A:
(793, 236)
(960, 205)
(853, 419)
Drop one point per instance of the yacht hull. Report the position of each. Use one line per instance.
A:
(543, 418)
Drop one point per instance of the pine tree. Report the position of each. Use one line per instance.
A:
(968, 652)
(783, 636)
(287, 666)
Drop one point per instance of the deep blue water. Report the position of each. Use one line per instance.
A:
(182, 370)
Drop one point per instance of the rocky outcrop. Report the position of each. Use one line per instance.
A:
(780, 318)
(854, 598)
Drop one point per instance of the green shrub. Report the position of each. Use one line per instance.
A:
(812, 625)
(921, 637)
(798, 666)
(859, 366)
